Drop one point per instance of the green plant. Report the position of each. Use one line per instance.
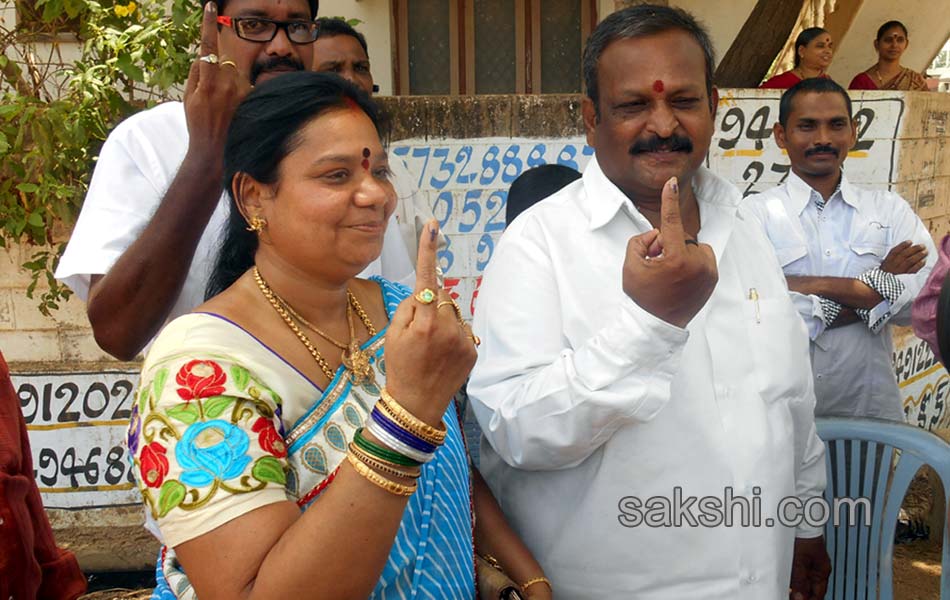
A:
(55, 112)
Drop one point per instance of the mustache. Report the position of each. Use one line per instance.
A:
(272, 64)
(674, 143)
(822, 149)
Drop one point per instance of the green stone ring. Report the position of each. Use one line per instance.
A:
(425, 296)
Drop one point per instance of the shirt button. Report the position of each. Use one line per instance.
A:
(818, 376)
(752, 578)
(827, 252)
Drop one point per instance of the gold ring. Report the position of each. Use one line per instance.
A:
(228, 63)
(455, 307)
(211, 59)
(425, 296)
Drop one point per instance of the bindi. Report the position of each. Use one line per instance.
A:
(365, 162)
(658, 86)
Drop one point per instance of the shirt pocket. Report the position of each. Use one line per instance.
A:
(779, 345)
(868, 247)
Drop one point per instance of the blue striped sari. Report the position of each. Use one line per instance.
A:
(432, 556)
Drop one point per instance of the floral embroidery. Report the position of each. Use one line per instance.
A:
(200, 379)
(135, 429)
(194, 452)
(213, 450)
(268, 437)
(153, 464)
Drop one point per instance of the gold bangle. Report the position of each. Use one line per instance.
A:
(530, 582)
(384, 467)
(375, 478)
(413, 425)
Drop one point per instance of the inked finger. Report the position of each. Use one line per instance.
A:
(426, 259)
(671, 222)
(209, 37)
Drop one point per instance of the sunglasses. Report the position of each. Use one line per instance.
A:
(257, 29)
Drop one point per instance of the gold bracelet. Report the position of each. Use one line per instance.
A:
(384, 466)
(375, 478)
(530, 582)
(413, 425)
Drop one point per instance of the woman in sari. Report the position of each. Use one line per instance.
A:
(295, 436)
(887, 73)
(814, 50)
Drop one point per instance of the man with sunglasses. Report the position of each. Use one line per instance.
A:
(147, 237)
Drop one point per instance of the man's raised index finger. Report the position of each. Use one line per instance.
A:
(209, 30)
(671, 223)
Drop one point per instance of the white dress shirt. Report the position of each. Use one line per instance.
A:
(853, 233)
(585, 398)
(136, 166)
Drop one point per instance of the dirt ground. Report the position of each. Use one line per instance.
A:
(917, 570)
(916, 575)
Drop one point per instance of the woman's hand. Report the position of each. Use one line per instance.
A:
(429, 350)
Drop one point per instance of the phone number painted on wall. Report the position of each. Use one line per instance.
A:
(77, 425)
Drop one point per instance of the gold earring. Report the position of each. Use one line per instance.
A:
(256, 224)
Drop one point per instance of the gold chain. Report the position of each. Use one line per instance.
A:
(269, 295)
(354, 359)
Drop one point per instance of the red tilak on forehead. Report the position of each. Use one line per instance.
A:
(658, 86)
(365, 161)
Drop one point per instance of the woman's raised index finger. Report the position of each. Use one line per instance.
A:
(426, 258)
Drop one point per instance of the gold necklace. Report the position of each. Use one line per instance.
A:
(354, 360)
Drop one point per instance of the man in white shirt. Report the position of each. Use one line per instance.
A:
(623, 362)
(147, 238)
(854, 259)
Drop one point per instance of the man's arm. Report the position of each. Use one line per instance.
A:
(128, 305)
(843, 290)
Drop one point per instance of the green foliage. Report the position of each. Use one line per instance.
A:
(55, 113)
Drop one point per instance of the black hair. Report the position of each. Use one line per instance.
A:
(534, 185)
(820, 85)
(890, 25)
(804, 38)
(334, 26)
(314, 6)
(264, 130)
(641, 21)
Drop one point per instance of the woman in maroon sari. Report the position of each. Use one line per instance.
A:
(887, 73)
(814, 50)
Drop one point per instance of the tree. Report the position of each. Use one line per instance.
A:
(759, 41)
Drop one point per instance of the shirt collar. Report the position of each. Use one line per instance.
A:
(799, 192)
(605, 199)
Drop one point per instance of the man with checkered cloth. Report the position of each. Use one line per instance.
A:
(854, 259)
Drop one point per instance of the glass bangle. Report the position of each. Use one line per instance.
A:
(401, 434)
(381, 452)
(390, 440)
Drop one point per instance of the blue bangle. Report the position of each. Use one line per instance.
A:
(401, 434)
